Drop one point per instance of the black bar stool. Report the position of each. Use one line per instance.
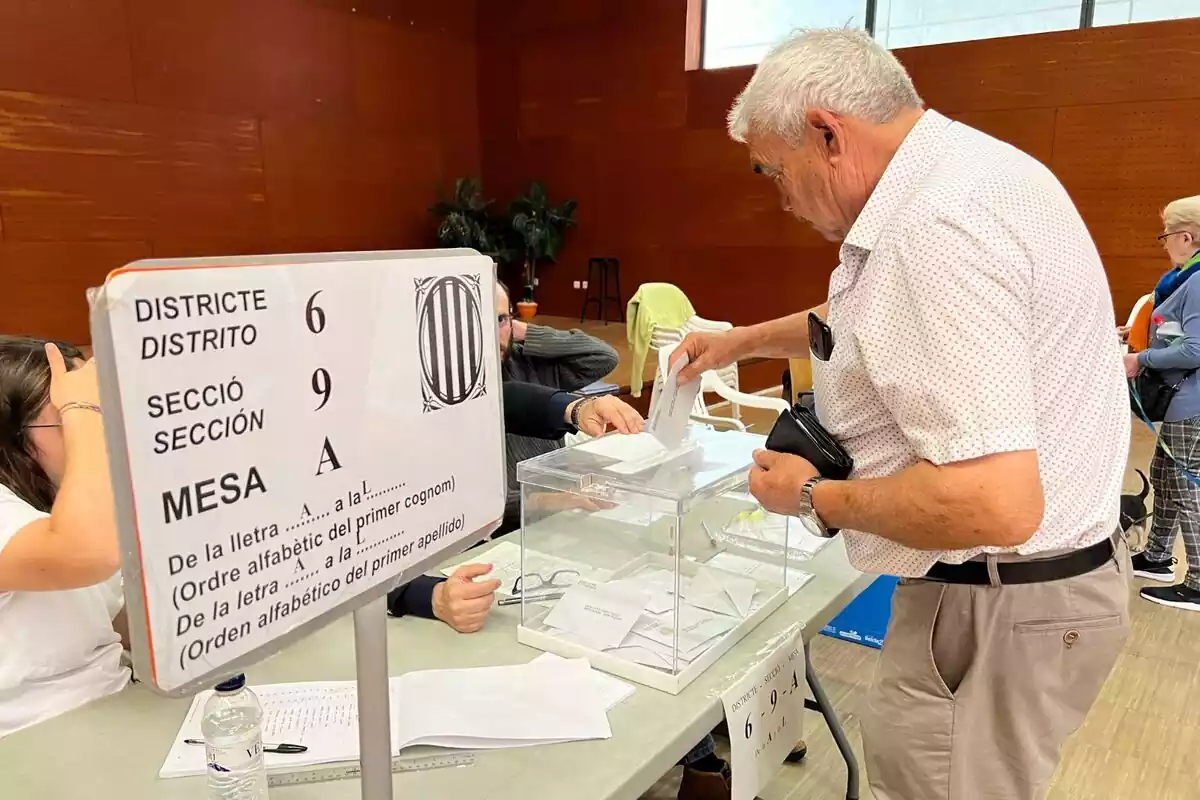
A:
(602, 269)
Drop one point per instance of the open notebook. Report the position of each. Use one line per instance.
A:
(546, 701)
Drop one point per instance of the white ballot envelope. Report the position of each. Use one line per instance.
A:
(600, 617)
(673, 406)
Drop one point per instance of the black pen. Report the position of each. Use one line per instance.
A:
(285, 749)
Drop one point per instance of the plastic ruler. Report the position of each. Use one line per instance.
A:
(337, 772)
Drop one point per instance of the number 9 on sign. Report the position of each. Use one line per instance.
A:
(322, 385)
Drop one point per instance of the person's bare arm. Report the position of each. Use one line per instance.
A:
(77, 544)
(786, 337)
(995, 500)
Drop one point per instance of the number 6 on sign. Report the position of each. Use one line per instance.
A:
(314, 315)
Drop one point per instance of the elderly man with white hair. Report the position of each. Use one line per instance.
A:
(965, 359)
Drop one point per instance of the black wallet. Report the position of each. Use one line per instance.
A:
(800, 433)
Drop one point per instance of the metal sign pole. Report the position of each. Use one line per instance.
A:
(374, 706)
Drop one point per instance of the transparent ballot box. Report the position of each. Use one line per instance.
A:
(629, 554)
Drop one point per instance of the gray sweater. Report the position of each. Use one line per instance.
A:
(566, 360)
(1182, 355)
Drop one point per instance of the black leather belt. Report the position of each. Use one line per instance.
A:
(1056, 568)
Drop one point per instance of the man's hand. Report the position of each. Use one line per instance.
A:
(1132, 367)
(597, 413)
(462, 602)
(707, 351)
(519, 329)
(777, 479)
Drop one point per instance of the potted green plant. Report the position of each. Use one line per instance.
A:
(467, 221)
(540, 229)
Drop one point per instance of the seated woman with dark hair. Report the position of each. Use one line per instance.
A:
(59, 647)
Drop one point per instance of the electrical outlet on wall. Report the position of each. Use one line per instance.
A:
(578, 285)
(537, 281)
(585, 284)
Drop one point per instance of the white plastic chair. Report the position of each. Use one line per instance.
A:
(711, 381)
(722, 382)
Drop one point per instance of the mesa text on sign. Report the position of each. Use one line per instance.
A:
(290, 445)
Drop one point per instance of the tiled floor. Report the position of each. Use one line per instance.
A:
(1141, 739)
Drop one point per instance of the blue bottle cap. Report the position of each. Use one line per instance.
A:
(232, 685)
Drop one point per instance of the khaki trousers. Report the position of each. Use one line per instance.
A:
(978, 686)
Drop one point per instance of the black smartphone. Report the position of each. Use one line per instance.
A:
(820, 338)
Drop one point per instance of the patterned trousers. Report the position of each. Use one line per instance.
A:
(1177, 499)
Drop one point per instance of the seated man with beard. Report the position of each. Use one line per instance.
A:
(563, 360)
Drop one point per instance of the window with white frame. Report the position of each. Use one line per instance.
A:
(740, 32)
(909, 23)
(1123, 12)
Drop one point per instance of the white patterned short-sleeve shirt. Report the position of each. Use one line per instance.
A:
(971, 316)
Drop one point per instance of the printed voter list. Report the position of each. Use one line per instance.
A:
(297, 434)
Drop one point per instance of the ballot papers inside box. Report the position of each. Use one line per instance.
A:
(653, 593)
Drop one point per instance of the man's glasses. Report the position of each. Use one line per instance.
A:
(540, 583)
(542, 589)
(44, 425)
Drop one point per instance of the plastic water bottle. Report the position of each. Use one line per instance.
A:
(232, 728)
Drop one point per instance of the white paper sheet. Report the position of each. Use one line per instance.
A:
(612, 690)
(657, 584)
(696, 627)
(552, 700)
(541, 702)
(673, 406)
(759, 570)
(631, 447)
(322, 716)
(722, 592)
(600, 617)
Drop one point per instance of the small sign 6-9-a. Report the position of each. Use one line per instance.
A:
(767, 707)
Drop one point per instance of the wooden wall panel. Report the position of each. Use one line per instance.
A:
(1113, 111)
(1028, 129)
(1125, 63)
(86, 169)
(65, 47)
(241, 56)
(1122, 163)
(45, 282)
(131, 128)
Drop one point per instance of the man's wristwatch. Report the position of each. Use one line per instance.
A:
(808, 513)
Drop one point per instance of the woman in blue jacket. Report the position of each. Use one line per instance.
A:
(1175, 350)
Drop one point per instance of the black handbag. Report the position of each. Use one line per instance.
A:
(1150, 393)
(799, 433)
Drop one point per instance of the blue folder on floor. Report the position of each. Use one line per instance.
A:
(865, 620)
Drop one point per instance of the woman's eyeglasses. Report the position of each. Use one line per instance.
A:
(44, 425)
(504, 319)
(1163, 236)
